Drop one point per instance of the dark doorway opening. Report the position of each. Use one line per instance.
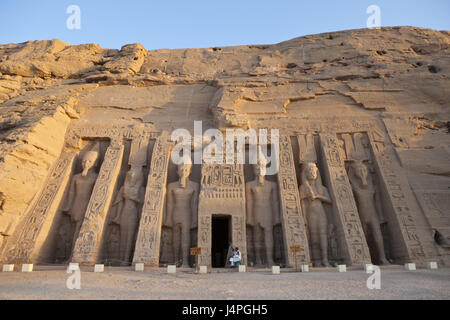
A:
(220, 240)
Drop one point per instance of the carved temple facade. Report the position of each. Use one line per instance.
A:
(124, 206)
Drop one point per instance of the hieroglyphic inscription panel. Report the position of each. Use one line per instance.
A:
(24, 246)
(291, 214)
(149, 234)
(401, 200)
(222, 193)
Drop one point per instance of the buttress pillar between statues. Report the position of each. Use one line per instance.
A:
(149, 234)
(292, 219)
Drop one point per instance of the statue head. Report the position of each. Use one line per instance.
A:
(259, 169)
(184, 170)
(134, 174)
(260, 172)
(360, 171)
(88, 161)
(311, 171)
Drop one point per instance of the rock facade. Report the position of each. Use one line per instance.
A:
(363, 117)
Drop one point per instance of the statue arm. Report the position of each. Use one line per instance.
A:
(71, 196)
(276, 204)
(141, 198)
(324, 195)
(249, 204)
(303, 206)
(118, 205)
(194, 206)
(119, 197)
(167, 222)
(378, 207)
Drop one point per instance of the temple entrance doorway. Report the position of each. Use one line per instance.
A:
(221, 237)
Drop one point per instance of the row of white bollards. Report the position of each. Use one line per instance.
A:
(203, 269)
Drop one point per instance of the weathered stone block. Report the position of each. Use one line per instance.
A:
(171, 269)
(410, 266)
(342, 268)
(27, 268)
(242, 269)
(8, 268)
(304, 268)
(99, 268)
(276, 270)
(203, 269)
(139, 267)
(368, 267)
(432, 265)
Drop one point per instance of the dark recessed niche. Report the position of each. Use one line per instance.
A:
(291, 65)
(433, 69)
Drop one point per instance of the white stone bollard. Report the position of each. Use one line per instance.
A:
(432, 265)
(74, 265)
(8, 268)
(139, 267)
(410, 266)
(304, 268)
(203, 269)
(276, 270)
(172, 269)
(342, 268)
(99, 268)
(27, 268)
(368, 267)
(242, 269)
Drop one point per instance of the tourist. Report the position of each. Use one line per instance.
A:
(236, 258)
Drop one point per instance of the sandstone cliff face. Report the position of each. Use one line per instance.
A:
(400, 75)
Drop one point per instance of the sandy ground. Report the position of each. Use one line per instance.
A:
(124, 283)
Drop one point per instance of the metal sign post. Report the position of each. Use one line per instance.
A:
(294, 250)
(196, 252)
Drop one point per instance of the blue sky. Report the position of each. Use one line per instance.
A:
(200, 23)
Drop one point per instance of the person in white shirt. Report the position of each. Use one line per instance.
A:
(236, 259)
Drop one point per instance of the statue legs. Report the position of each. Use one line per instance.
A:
(181, 240)
(268, 240)
(185, 245)
(267, 234)
(257, 240)
(75, 235)
(317, 222)
(127, 232)
(373, 229)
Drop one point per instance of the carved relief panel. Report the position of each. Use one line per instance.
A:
(263, 222)
(316, 205)
(26, 244)
(181, 215)
(222, 193)
(125, 212)
(348, 225)
(411, 239)
(355, 149)
(88, 243)
(68, 221)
